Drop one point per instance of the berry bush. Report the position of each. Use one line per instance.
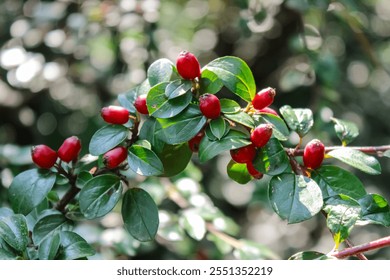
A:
(154, 131)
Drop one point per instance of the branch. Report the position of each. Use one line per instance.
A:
(372, 150)
(69, 195)
(376, 244)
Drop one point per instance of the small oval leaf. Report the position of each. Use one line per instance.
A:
(106, 138)
(13, 230)
(144, 161)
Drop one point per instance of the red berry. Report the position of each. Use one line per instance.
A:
(115, 114)
(113, 158)
(252, 170)
(194, 142)
(261, 135)
(263, 98)
(188, 66)
(140, 104)
(210, 106)
(69, 149)
(244, 154)
(313, 154)
(268, 110)
(43, 156)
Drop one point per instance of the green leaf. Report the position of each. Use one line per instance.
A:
(271, 159)
(193, 224)
(238, 172)
(184, 126)
(209, 134)
(233, 140)
(73, 247)
(221, 244)
(229, 106)
(100, 195)
(334, 180)
(7, 255)
(82, 178)
(151, 131)
(178, 88)
(175, 159)
(5, 212)
(159, 106)
(219, 127)
(160, 71)
(342, 214)
(235, 74)
(357, 159)
(294, 197)
(140, 214)
(209, 82)
(29, 189)
(299, 120)
(346, 131)
(49, 225)
(375, 209)
(241, 118)
(107, 138)
(309, 255)
(13, 230)
(144, 161)
(279, 128)
(127, 99)
(49, 247)
(250, 250)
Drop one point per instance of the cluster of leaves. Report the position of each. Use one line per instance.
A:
(40, 225)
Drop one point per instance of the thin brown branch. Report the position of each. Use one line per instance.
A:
(223, 236)
(69, 195)
(372, 150)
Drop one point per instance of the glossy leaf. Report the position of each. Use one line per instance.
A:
(29, 189)
(279, 128)
(100, 195)
(295, 197)
(49, 225)
(238, 172)
(175, 159)
(357, 159)
(229, 106)
(107, 138)
(184, 126)
(193, 224)
(375, 209)
(14, 231)
(151, 131)
(346, 131)
(241, 118)
(218, 128)
(82, 178)
(209, 82)
(271, 159)
(127, 99)
(235, 75)
(334, 180)
(140, 214)
(299, 120)
(7, 255)
(178, 88)
(160, 71)
(233, 140)
(49, 247)
(73, 246)
(144, 161)
(309, 255)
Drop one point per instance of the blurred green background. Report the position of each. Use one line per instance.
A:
(61, 61)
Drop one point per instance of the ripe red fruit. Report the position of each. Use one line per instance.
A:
(261, 135)
(244, 154)
(268, 110)
(43, 156)
(113, 158)
(210, 106)
(252, 170)
(313, 154)
(194, 142)
(263, 98)
(69, 149)
(140, 104)
(115, 114)
(188, 66)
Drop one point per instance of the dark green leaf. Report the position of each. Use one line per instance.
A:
(175, 159)
(140, 214)
(375, 209)
(235, 75)
(279, 128)
(13, 230)
(7, 255)
(184, 126)
(299, 120)
(357, 159)
(160, 71)
(178, 88)
(209, 82)
(151, 131)
(218, 127)
(193, 224)
(144, 161)
(127, 99)
(159, 106)
(209, 134)
(49, 225)
(29, 188)
(49, 247)
(309, 255)
(107, 138)
(73, 246)
(229, 106)
(233, 140)
(238, 172)
(334, 180)
(294, 197)
(346, 131)
(100, 195)
(342, 214)
(241, 118)
(271, 159)
(82, 178)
